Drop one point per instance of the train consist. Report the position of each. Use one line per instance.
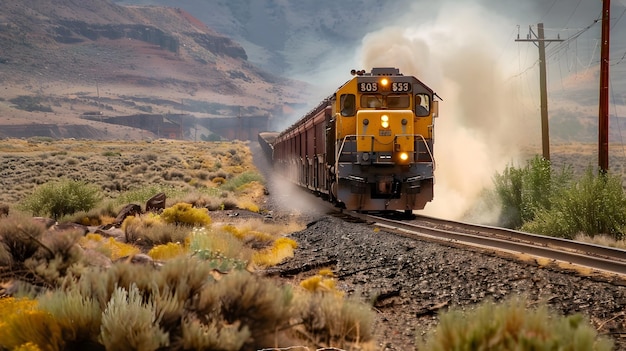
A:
(367, 147)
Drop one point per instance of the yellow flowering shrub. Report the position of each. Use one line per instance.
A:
(167, 251)
(281, 249)
(185, 214)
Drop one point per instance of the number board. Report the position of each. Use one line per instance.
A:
(400, 87)
(374, 87)
(368, 87)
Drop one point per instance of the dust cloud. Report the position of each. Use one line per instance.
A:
(483, 125)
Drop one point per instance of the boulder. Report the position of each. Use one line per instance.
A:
(156, 203)
(128, 210)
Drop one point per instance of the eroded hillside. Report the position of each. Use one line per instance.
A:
(64, 59)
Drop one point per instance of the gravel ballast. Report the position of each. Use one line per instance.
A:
(409, 282)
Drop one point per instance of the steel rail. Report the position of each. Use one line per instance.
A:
(592, 256)
(534, 239)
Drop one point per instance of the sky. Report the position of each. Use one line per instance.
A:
(490, 113)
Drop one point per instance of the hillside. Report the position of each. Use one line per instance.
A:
(65, 59)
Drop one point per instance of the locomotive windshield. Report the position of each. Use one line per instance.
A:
(398, 101)
(391, 101)
(422, 105)
(348, 104)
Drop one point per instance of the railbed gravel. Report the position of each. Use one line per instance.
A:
(409, 282)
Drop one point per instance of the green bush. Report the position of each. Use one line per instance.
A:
(593, 205)
(512, 326)
(57, 199)
(525, 191)
(242, 179)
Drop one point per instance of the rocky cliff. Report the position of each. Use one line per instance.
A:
(76, 57)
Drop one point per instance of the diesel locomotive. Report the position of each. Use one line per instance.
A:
(366, 147)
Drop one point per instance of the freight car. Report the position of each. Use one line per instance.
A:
(367, 147)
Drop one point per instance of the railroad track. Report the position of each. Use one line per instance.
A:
(545, 250)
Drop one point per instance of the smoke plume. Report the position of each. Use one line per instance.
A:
(483, 125)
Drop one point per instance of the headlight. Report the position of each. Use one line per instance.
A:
(404, 156)
(384, 121)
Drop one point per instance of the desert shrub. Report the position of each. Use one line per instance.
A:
(595, 204)
(108, 246)
(185, 214)
(242, 179)
(210, 243)
(525, 191)
(166, 251)
(58, 257)
(260, 305)
(321, 282)
(20, 237)
(602, 240)
(143, 194)
(218, 180)
(199, 197)
(248, 205)
(148, 230)
(236, 160)
(335, 321)
(11, 310)
(61, 198)
(262, 230)
(30, 103)
(150, 157)
(281, 249)
(139, 169)
(229, 202)
(29, 346)
(129, 323)
(104, 213)
(78, 316)
(31, 325)
(215, 335)
(512, 326)
(111, 153)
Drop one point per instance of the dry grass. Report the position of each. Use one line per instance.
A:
(120, 167)
(203, 284)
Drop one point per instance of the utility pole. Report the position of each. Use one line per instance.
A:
(603, 122)
(540, 41)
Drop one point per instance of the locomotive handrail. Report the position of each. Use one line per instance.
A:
(343, 142)
(425, 144)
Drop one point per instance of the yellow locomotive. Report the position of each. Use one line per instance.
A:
(367, 147)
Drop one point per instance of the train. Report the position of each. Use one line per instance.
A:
(367, 147)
